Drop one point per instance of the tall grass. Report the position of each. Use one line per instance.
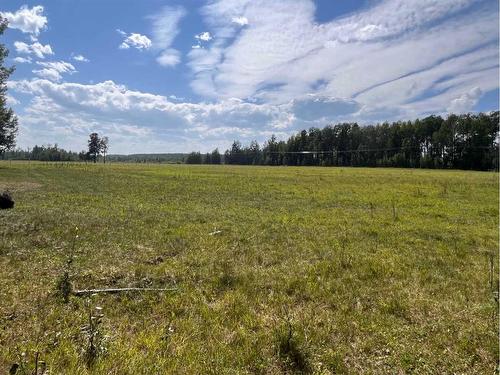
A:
(378, 270)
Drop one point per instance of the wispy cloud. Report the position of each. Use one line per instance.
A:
(165, 28)
(23, 60)
(393, 54)
(53, 70)
(80, 58)
(169, 57)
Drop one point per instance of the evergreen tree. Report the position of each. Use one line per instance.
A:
(8, 121)
(194, 158)
(215, 157)
(94, 146)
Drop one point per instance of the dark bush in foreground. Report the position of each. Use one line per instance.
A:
(6, 201)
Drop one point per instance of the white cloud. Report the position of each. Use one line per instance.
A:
(466, 101)
(27, 20)
(205, 36)
(137, 41)
(165, 29)
(22, 47)
(37, 49)
(187, 125)
(53, 70)
(50, 74)
(80, 58)
(242, 21)
(23, 60)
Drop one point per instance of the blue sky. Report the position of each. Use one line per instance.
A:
(177, 76)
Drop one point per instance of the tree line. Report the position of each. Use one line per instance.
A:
(42, 153)
(173, 158)
(213, 157)
(97, 147)
(468, 141)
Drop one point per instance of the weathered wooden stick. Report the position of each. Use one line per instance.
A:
(118, 290)
(36, 363)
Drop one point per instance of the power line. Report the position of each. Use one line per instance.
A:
(361, 150)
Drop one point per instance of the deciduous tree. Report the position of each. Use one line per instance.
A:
(104, 143)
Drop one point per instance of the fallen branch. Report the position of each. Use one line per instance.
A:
(119, 290)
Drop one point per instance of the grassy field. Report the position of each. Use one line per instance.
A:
(277, 270)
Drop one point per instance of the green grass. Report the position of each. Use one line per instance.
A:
(315, 270)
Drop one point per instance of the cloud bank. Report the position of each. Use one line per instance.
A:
(157, 120)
